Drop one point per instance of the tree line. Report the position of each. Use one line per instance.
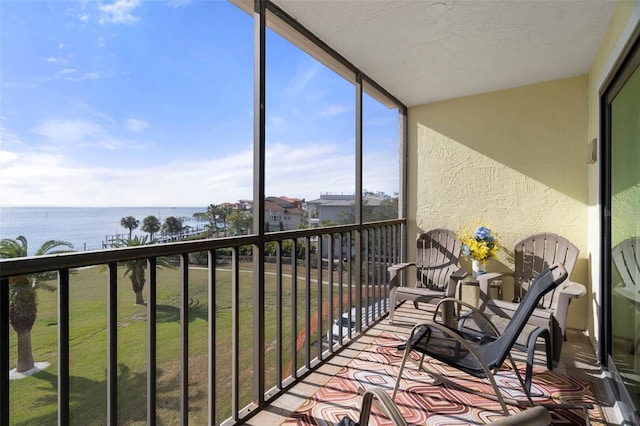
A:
(151, 225)
(226, 220)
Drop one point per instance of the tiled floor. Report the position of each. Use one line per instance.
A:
(578, 360)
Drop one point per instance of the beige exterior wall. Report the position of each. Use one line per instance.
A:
(516, 161)
(513, 160)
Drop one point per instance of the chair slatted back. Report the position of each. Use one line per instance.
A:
(535, 253)
(626, 257)
(437, 255)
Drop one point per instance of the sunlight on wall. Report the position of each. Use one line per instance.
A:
(513, 160)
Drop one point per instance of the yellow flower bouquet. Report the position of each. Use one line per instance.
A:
(480, 245)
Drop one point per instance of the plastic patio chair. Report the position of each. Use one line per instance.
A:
(437, 272)
(531, 256)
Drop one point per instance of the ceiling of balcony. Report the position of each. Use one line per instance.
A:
(425, 51)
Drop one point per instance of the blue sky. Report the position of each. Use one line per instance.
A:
(131, 103)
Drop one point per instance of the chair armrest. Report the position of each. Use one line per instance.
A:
(568, 291)
(380, 399)
(393, 273)
(473, 310)
(538, 415)
(459, 274)
(484, 282)
(454, 279)
(454, 336)
(573, 290)
(400, 266)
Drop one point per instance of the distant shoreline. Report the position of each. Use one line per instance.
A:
(85, 227)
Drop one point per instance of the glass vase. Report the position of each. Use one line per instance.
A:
(478, 268)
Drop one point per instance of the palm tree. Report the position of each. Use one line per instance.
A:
(213, 211)
(150, 225)
(240, 222)
(225, 211)
(130, 223)
(136, 269)
(23, 304)
(172, 225)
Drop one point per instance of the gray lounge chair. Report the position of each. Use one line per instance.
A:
(531, 256)
(477, 355)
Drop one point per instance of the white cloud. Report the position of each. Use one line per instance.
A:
(47, 175)
(119, 12)
(276, 120)
(179, 3)
(332, 110)
(81, 133)
(71, 74)
(381, 171)
(7, 157)
(77, 10)
(303, 76)
(46, 178)
(53, 60)
(135, 125)
(90, 76)
(84, 76)
(70, 131)
(6, 137)
(386, 120)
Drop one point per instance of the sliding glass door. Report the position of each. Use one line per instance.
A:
(621, 105)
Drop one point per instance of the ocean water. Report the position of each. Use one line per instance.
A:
(85, 228)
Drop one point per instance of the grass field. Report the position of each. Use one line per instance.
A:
(33, 400)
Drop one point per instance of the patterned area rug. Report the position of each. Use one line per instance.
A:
(423, 402)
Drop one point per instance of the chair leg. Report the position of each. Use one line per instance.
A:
(392, 303)
(547, 344)
(531, 349)
(405, 357)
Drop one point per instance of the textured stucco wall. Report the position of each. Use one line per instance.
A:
(513, 160)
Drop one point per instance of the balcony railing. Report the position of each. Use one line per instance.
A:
(234, 324)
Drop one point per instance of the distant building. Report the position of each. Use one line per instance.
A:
(283, 213)
(338, 207)
(246, 205)
(241, 205)
(329, 207)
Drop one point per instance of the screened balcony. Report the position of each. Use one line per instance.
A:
(184, 361)
(230, 334)
(263, 348)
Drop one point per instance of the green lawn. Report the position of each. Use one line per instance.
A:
(33, 400)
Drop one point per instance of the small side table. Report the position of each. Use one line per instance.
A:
(471, 281)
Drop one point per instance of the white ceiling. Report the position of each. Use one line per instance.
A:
(429, 50)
